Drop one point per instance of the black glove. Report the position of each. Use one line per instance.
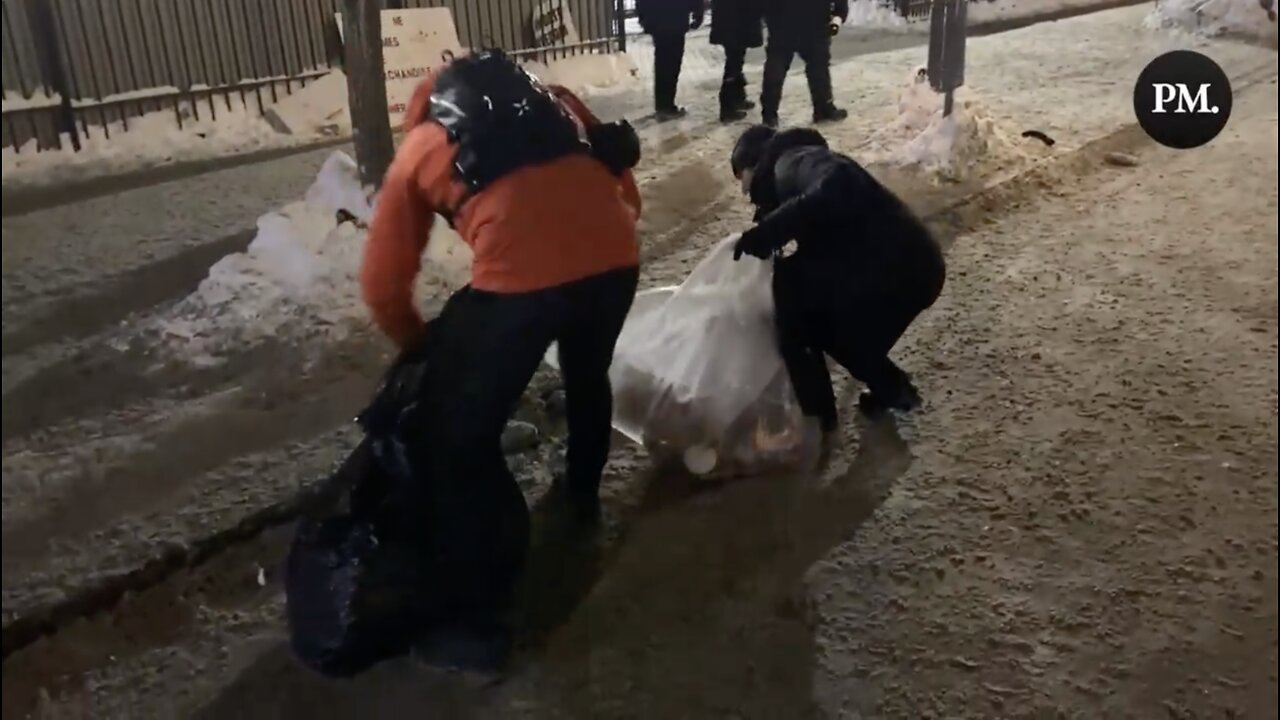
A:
(758, 242)
(695, 20)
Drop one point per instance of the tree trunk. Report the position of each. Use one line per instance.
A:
(367, 88)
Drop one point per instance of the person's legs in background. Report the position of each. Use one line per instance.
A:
(733, 87)
(817, 71)
(777, 62)
(668, 56)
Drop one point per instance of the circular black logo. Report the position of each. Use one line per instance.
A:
(1182, 99)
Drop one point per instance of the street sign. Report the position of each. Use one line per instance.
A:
(414, 42)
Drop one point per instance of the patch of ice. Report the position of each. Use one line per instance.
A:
(967, 143)
(149, 140)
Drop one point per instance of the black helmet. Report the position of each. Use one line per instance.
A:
(750, 146)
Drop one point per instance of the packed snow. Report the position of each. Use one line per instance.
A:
(589, 74)
(968, 142)
(874, 14)
(17, 102)
(1247, 18)
(145, 141)
(299, 276)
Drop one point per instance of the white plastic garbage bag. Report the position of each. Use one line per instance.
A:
(697, 376)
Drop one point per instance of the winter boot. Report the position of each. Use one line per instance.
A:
(874, 405)
(829, 113)
(667, 114)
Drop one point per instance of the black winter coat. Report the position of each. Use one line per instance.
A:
(668, 17)
(795, 24)
(854, 237)
(737, 23)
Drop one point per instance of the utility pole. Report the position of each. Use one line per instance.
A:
(367, 88)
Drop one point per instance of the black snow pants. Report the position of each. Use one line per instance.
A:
(668, 57)
(817, 71)
(856, 323)
(733, 85)
(479, 521)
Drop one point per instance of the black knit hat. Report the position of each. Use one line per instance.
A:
(750, 146)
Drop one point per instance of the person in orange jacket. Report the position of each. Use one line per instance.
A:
(543, 193)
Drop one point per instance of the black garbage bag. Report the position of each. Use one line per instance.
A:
(351, 596)
(357, 582)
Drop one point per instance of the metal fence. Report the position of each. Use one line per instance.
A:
(72, 68)
(917, 9)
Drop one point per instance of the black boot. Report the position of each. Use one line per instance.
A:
(667, 114)
(875, 405)
(733, 99)
(829, 113)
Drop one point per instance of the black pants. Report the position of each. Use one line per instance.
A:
(857, 328)
(668, 56)
(733, 86)
(479, 520)
(817, 70)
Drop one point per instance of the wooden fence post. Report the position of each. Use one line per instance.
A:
(367, 88)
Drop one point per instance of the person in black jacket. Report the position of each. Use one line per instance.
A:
(801, 27)
(667, 21)
(864, 266)
(736, 25)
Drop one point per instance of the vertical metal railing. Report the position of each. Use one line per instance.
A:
(73, 68)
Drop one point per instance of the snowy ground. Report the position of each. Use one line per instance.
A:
(1080, 523)
(112, 457)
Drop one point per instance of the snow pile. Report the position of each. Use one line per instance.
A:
(986, 11)
(151, 139)
(874, 14)
(589, 73)
(298, 280)
(1247, 18)
(967, 143)
(702, 61)
(15, 102)
(300, 273)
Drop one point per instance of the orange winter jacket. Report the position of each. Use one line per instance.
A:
(537, 227)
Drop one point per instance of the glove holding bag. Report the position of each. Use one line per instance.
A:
(762, 241)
